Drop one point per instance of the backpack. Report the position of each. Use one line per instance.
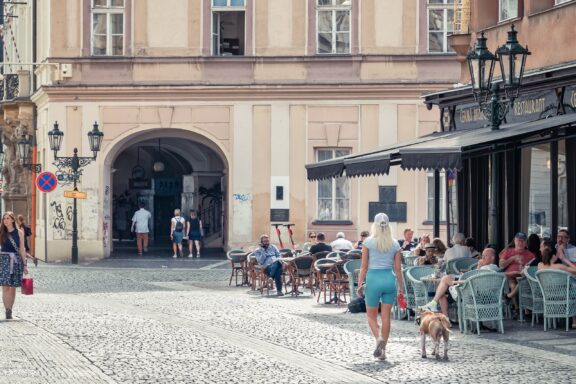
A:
(357, 305)
(179, 227)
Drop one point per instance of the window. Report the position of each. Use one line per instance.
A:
(440, 25)
(508, 9)
(452, 193)
(333, 26)
(107, 27)
(228, 27)
(557, 2)
(333, 194)
(539, 197)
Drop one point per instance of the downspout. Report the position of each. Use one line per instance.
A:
(34, 142)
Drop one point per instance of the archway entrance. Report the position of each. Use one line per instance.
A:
(166, 171)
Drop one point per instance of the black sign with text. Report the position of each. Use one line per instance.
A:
(397, 212)
(469, 116)
(279, 215)
(387, 194)
(533, 106)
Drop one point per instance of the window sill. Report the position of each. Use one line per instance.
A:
(504, 22)
(332, 222)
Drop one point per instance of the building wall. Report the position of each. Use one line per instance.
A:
(266, 112)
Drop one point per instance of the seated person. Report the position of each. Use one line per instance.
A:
(420, 249)
(267, 256)
(459, 250)
(440, 247)
(320, 245)
(487, 262)
(546, 263)
(513, 260)
(429, 258)
(363, 236)
(407, 243)
(564, 247)
(341, 243)
(311, 241)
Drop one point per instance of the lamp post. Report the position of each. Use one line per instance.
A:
(487, 93)
(74, 163)
(24, 144)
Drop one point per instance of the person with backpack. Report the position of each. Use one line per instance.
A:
(195, 233)
(177, 232)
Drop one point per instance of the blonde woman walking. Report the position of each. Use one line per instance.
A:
(380, 256)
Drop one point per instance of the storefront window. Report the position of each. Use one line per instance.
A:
(562, 187)
(539, 198)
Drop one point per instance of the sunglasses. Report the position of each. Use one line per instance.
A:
(312, 236)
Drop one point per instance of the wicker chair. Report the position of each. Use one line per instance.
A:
(336, 255)
(525, 300)
(537, 297)
(481, 299)
(303, 269)
(350, 266)
(463, 265)
(339, 282)
(320, 255)
(416, 273)
(237, 259)
(322, 282)
(410, 261)
(559, 292)
(465, 276)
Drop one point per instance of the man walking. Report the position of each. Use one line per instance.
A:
(140, 226)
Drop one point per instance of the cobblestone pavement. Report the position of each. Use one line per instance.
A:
(183, 324)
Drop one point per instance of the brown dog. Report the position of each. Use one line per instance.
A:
(436, 325)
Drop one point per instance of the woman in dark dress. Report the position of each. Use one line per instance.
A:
(195, 233)
(12, 260)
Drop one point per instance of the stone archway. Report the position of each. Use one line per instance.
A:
(193, 167)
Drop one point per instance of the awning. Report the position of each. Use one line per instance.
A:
(440, 150)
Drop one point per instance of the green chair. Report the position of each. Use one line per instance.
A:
(537, 298)
(559, 293)
(465, 276)
(410, 261)
(481, 299)
(525, 300)
(410, 290)
(350, 266)
(463, 265)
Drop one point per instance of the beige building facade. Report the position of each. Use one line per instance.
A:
(217, 105)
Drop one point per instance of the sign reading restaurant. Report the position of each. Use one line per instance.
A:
(530, 107)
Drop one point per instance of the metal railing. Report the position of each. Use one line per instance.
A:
(211, 217)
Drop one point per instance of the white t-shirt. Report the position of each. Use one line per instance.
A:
(140, 219)
(457, 252)
(341, 243)
(491, 267)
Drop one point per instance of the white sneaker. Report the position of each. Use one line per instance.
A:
(380, 347)
(190, 255)
(198, 255)
(430, 307)
(174, 256)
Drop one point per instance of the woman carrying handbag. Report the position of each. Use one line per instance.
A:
(12, 260)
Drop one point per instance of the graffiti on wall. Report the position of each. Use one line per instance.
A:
(241, 197)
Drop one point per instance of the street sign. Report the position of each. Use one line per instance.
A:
(75, 194)
(46, 182)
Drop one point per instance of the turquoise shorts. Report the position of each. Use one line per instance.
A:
(380, 287)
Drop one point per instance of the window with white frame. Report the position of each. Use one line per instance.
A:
(557, 2)
(333, 26)
(107, 27)
(440, 25)
(430, 197)
(508, 9)
(228, 27)
(333, 194)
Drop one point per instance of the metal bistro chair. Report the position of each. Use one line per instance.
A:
(537, 297)
(482, 299)
(336, 255)
(350, 266)
(322, 281)
(339, 282)
(304, 269)
(237, 259)
(320, 255)
(559, 292)
(463, 265)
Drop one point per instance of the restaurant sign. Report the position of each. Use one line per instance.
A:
(469, 116)
(533, 106)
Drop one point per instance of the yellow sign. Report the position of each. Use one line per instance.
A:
(75, 194)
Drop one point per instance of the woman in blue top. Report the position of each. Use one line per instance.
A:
(12, 260)
(380, 254)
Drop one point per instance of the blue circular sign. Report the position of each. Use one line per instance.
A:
(46, 182)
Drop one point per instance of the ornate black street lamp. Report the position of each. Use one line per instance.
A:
(74, 164)
(24, 144)
(481, 62)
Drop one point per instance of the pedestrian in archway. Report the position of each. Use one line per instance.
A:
(12, 260)
(140, 226)
(177, 224)
(195, 233)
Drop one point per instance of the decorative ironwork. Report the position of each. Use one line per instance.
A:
(35, 168)
(68, 162)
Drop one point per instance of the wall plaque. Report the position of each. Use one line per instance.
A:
(279, 215)
(387, 194)
(397, 212)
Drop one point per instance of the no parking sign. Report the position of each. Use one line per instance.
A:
(46, 182)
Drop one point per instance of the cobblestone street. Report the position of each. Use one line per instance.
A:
(178, 321)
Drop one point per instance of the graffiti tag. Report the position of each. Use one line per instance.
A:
(242, 197)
